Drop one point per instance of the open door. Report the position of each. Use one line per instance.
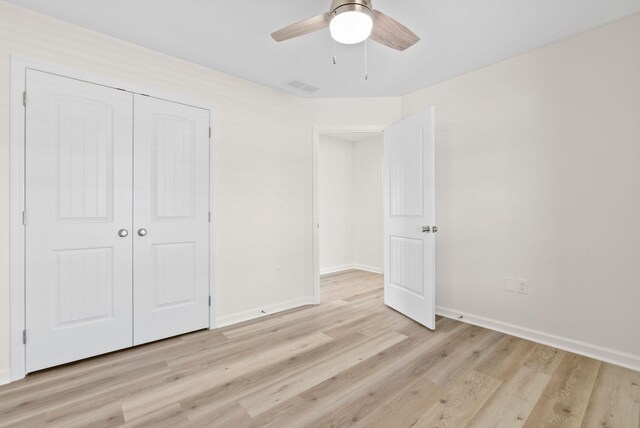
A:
(409, 214)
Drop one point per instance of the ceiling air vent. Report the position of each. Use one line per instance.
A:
(301, 86)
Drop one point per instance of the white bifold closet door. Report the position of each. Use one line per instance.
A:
(117, 219)
(171, 219)
(78, 196)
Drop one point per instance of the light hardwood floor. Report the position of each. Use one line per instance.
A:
(349, 362)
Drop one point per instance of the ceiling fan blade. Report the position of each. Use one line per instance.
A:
(303, 27)
(390, 32)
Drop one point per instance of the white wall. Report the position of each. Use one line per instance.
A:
(367, 204)
(336, 204)
(538, 177)
(263, 164)
(350, 203)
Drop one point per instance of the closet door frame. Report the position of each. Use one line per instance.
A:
(17, 302)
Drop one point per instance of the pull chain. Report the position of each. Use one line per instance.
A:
(334, 51)
(366, 72)
(334, 45)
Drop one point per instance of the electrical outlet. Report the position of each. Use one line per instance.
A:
(278, 271)
(523, 286)
(510, 284)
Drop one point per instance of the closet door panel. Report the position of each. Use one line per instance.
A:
(78, 197)
(171, 243)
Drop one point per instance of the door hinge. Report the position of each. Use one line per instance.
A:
(209, 216)
(209, 300)
(209, 132)
(24, 337)
(24, 98)
(24, 218)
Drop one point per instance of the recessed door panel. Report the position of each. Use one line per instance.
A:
(406, 192)
(175, 279)
(173, 167)
(406, 264)
(83, 286)
(171, 209)
(84, 185)
(78, 197)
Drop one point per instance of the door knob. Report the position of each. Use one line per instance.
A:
(435, 229)
(426, 229)
(123, 233)
(142, 232)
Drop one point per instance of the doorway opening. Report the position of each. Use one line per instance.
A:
(408, 215)
(350, 212)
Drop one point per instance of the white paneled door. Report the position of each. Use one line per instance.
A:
(78, 200)
(409, 204)
(116, 219)
(171, 219)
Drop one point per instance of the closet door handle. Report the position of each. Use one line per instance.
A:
(123, 233)
(142, 232)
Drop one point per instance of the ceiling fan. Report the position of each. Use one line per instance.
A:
(353, 21)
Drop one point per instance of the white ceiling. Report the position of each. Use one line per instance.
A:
(233, 36)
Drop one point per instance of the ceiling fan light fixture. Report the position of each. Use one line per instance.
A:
(351, 24)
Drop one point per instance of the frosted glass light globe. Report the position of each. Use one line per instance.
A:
(351, 27)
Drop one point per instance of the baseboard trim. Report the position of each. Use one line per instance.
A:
(262, 312)
(618, 358)
(336, 269)
(372, 269)
(5, 377)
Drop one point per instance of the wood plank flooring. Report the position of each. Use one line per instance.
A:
(349, 362)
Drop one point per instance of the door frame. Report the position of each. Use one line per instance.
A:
(17, 267)
(316, 130)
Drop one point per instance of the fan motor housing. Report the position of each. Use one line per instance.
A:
(345, 5)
